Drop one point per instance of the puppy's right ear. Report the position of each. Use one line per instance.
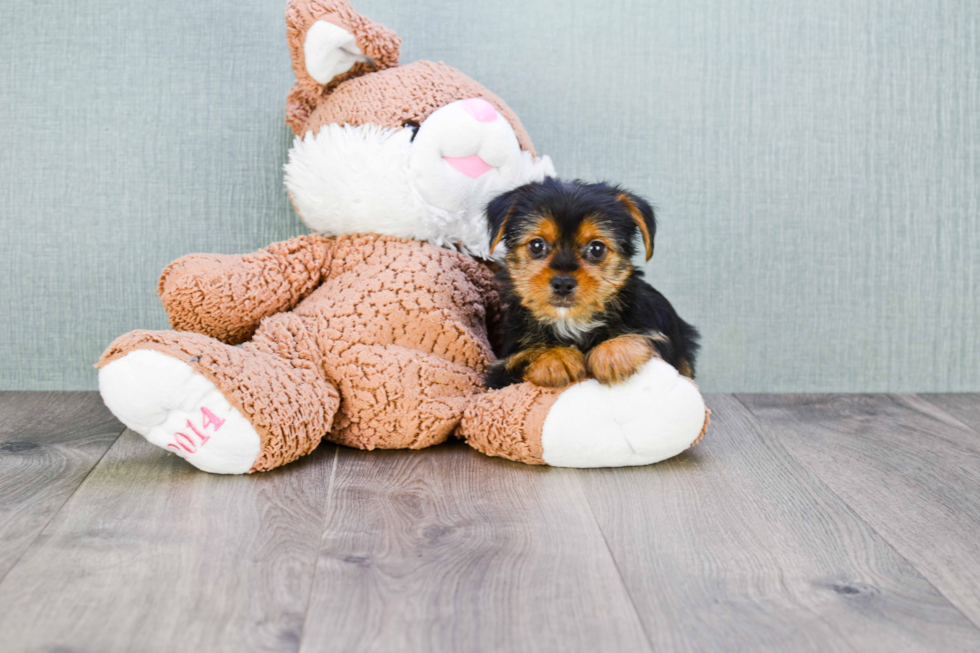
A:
(641, 213)
(499, 211)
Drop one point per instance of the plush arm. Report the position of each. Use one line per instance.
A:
(226, 296)
(481, 275)
(495, 312)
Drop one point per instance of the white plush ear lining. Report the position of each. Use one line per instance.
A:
(330, 50)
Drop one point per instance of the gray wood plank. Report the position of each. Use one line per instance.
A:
(735, 546)
(49, 442)
(153, 555)
(448, 550)
(908, 469)
(964, 406)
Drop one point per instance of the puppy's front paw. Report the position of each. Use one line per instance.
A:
(556, 367)
(616, 360)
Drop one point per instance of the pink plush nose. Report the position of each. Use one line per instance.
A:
(480, 109)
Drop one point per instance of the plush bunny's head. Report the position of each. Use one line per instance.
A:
(414, 151)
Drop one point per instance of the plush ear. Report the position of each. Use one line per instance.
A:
(642, 214)
(330, 50)
(499, 211)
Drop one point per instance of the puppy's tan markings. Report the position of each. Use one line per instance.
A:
(501, 230)
(523, 357)
(684, 367)
(546, 228)
(637, 217)
(555, 367)
(589, 229)
(615, 360)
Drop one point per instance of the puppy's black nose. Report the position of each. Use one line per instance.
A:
(563, 285)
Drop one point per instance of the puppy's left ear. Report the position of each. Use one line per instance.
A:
(499, 211)
(642, 213)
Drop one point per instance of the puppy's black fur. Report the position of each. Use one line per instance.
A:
(615, 301)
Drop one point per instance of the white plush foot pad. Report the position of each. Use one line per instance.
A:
(177, 409)
(652, 416)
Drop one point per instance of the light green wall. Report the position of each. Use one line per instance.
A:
(816, 165)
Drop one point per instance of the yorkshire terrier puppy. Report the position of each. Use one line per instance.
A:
(576, 307)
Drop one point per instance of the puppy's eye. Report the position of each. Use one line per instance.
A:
(537, 247)
(595, 250)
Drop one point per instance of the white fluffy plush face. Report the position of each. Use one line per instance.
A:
(433, 187)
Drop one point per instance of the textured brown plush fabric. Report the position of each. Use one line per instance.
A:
(704, 429)
(395, 328)
(227, 296)
(376, 41)
(287, 400)
(385, 94)
(507, 423)
(369, 341)
(406, 94)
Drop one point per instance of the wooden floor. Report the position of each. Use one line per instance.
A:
(800, 523)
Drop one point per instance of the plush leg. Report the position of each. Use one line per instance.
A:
(507, 422)
(224, 409)
(651, 416)
(398, 398)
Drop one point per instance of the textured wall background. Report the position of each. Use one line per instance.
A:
(816, 165)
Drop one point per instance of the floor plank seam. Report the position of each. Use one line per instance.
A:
(619, 573)
(853, 510)
(944, 411)
(61, 507)
(319, 546)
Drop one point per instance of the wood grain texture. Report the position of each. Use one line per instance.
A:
(151, 554)
(448, 550)
(964, 406)
(907, 468)
(735, 546)
(49, 442)
(833, 524)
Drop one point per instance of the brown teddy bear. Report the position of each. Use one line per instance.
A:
(374, 332)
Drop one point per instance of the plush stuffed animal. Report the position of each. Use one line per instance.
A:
(375, 331)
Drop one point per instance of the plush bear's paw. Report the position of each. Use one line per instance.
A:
(651, 416)
(172, 406)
